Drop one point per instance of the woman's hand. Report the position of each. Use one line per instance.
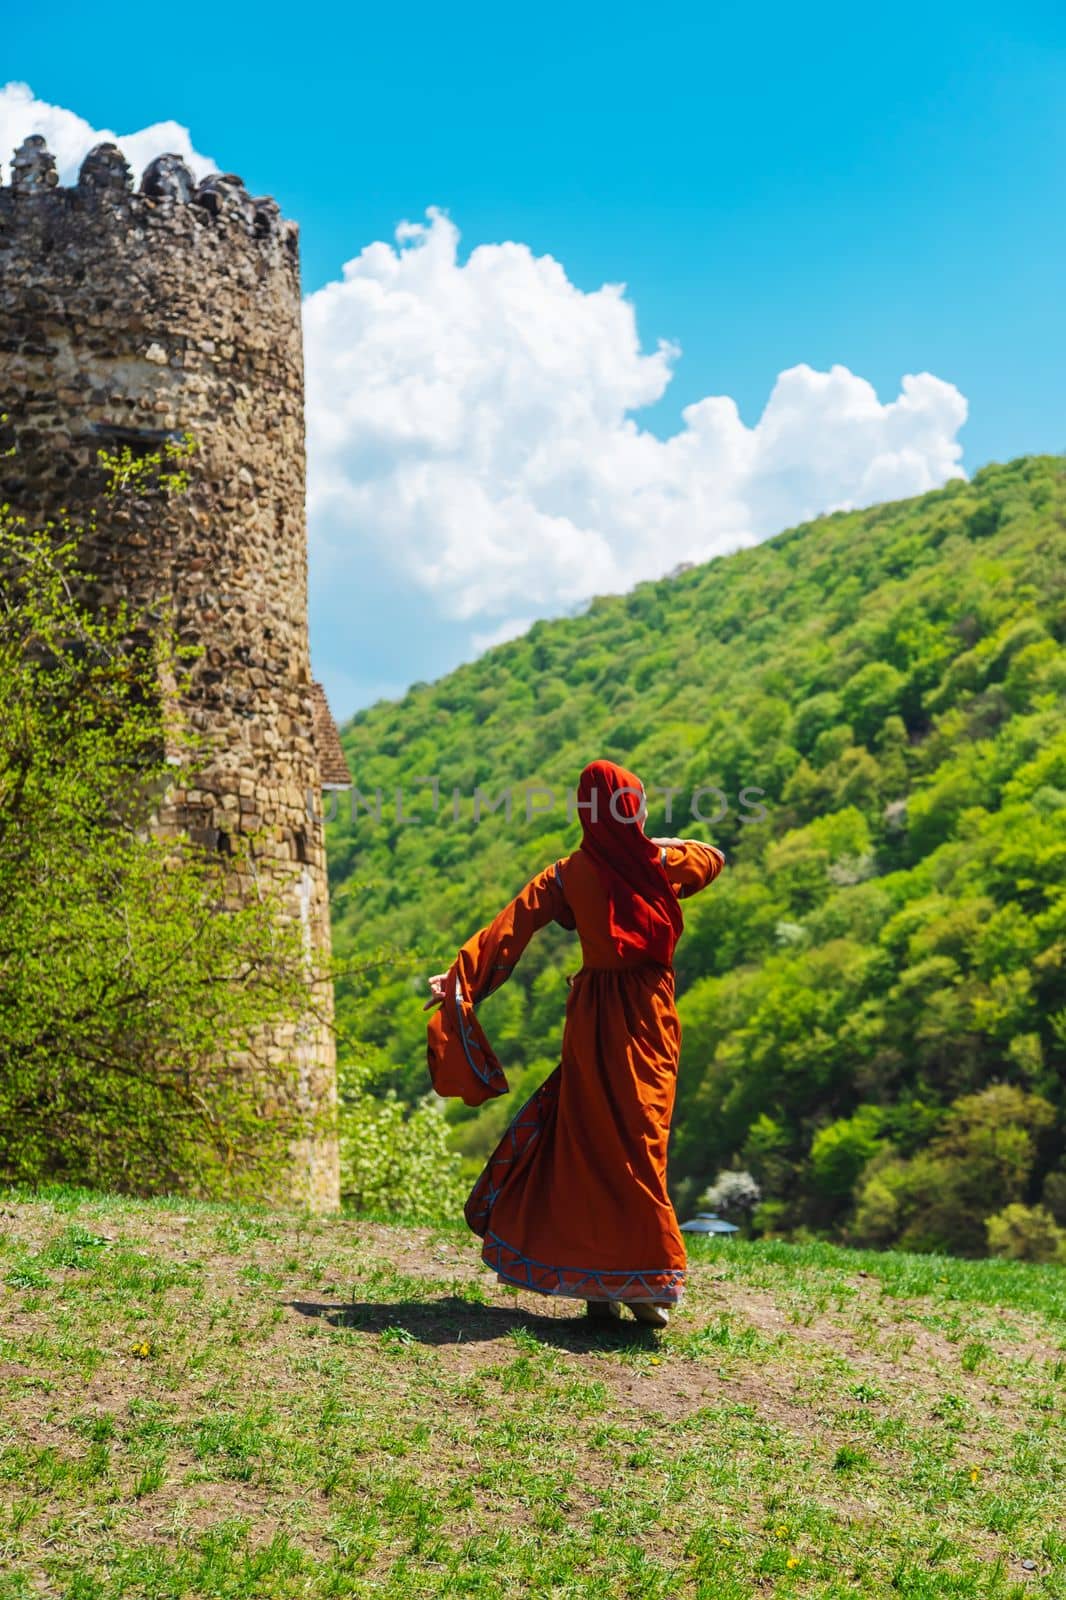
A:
(680, 843)
(436, 990)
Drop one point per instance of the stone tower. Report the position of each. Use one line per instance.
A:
(132, 318)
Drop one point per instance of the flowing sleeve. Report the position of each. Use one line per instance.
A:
(461, 1060)
(692, 865)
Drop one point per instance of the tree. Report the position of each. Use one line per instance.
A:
(133, 992)
(733, 1192)
(979, 1162)
(1026, 1233)
(871, 697)
(840, 1151)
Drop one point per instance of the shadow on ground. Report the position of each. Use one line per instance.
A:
(452, 1320)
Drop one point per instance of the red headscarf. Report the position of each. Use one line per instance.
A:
(643, 914)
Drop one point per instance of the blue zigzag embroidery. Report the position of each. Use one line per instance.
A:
(492, 1075)
(582, 1283)
(528, 1121)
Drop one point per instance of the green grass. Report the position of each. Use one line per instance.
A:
(201, 1401)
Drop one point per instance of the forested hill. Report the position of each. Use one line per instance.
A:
(873, 994)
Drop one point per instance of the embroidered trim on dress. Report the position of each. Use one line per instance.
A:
(493, 1074)
(521, 1131)
(582, 1283)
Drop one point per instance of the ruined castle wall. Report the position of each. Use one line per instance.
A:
(141, 315)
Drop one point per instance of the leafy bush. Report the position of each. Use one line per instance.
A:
(395, 1157)
(840, 1151)
(979, 1163)
(1026, 1233)
(733, 1193)
(1053, 1194)
(133, 993)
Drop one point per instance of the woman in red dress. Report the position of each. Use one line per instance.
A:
(573, 1200)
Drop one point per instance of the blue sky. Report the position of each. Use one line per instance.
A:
(774, 185)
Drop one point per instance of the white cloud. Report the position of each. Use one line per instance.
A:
(474, 455)
(513, 628)
(470, 426)
(70, 137)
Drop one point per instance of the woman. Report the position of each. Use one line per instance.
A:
(573, 1200)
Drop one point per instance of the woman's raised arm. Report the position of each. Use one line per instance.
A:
(461, 1060)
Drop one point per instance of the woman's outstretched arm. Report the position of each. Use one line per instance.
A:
(461, 1060)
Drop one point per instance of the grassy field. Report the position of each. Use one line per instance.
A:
(204, 1401)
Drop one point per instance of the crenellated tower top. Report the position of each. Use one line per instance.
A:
(105, 178)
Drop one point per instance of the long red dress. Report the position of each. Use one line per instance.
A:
(573, 1200)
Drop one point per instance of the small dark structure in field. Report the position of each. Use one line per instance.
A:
(709, 1222)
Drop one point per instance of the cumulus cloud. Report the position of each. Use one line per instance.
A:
(70, 137)
(471, 426)
(513, 628)
(475, 454)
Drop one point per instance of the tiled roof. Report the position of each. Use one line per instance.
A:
(332, 763)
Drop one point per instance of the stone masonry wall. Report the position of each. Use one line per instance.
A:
(129, 317)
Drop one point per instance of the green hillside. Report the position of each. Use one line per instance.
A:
(873, 995)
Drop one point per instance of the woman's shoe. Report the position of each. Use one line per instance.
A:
(603, 1310)
(650, 1314)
